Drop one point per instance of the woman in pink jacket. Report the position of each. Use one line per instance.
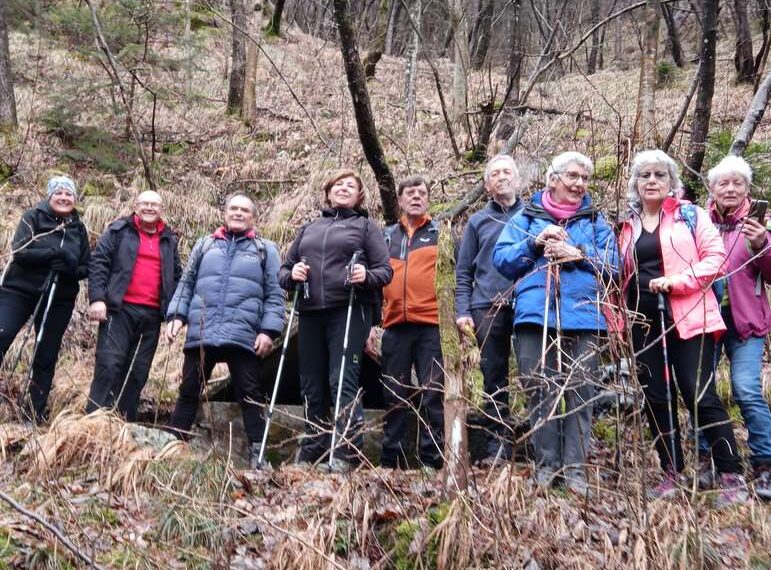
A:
(670, 247)
(745, 304)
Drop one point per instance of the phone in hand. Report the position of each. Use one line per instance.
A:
(758, 210)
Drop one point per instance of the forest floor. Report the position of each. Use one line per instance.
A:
(131, 497)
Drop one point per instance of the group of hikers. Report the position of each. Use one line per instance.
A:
(547, 276)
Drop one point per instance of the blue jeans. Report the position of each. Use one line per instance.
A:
(746, 361)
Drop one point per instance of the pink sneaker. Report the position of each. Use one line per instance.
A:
(732, 490)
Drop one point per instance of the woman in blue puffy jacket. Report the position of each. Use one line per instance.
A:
(559, 250)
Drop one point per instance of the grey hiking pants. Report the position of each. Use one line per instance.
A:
(559, 404)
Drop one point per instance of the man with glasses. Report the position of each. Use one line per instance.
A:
(132, 276)
(483, 300)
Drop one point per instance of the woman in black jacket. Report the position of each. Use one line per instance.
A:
(49, 252)
(320, 256)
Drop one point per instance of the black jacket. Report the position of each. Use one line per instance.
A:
(113, 259)
(40, 238)
(328, 245)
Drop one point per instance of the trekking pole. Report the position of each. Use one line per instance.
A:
(349, 271)
(271, 407)
(544, 338)
(41, 330)
(662, 316)
(31, 324)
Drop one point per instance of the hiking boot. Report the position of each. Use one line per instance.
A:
(340, 466)
(254, 455)
(668, 487)
(544, 476)
(763, 483)
(575, 482)
(732, 490)
(706, 476)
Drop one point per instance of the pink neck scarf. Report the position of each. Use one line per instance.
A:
(558, 211)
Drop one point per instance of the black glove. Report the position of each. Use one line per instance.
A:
(64, 262)
(59, 265)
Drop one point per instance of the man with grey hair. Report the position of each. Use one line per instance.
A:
(132, 275)
(483, 299)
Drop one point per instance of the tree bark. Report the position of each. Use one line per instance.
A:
(484, 27)
(393, 20)
(238, 65)
(8, 119)
(456, 465)
(274, 26)
(591, 64)
(645, 121)
(703, 108)
(752, 118)
(760, 59)
(411, 70)
(744, 62)
(459, 26)
(507, 119)
(365, 122)
(681, 115)
(673, 36)
(377, 46)
(254, 28)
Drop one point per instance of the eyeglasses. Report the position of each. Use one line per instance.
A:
(151, 205)
(657, 174)
(573, 177)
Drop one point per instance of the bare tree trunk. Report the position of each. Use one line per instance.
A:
(459, 26)
(8, 120)
(703, 108)
(507, 119)
(456, 464)
(764, 7)
(188, 54)
(681, 115)
(393, 20)
(254, 28)
(411, 71)
(377, 46)
(365, 122)
(743, 59)
(484, 26)
(752, 118)
(645, 121)
(274, 26)
(238, 65)
(673, 36)
(591, 64)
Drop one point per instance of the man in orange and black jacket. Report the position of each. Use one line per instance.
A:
(411, 335)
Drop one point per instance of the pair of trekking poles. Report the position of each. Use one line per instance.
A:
(50, 285)
(306, 294)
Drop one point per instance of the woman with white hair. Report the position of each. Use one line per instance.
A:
(49, 255)
(744, 305)
(673, 253)
(559, 249)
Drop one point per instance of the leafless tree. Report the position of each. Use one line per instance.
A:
(743, 58)
(378, 43)
(8, 119)
(238, 64)
(645, 121)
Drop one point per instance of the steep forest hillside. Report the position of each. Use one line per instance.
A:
(92, 490)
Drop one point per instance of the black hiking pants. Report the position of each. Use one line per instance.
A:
(321, 349)
(15, 310)
(125, 348)
(245, 369)
(404, 346)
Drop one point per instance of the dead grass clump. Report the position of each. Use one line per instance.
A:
(99, 442)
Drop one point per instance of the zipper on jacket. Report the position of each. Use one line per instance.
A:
(324, 257)
(406, 242)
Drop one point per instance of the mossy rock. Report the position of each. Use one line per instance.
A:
(606, 168)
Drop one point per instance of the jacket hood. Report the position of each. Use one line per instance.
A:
(223, 233)
(733, 217)
(44, 207)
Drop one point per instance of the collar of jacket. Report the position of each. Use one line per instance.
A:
(159, 225)
(44, 207)
(731, 218)
(223, 233)
(495, 206)
(404, 221)
(535, 209)
(344, 212)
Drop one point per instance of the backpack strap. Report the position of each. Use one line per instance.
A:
(388, 234)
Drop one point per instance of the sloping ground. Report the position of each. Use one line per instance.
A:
(131, 502)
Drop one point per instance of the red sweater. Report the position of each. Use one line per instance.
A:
(145, 285)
